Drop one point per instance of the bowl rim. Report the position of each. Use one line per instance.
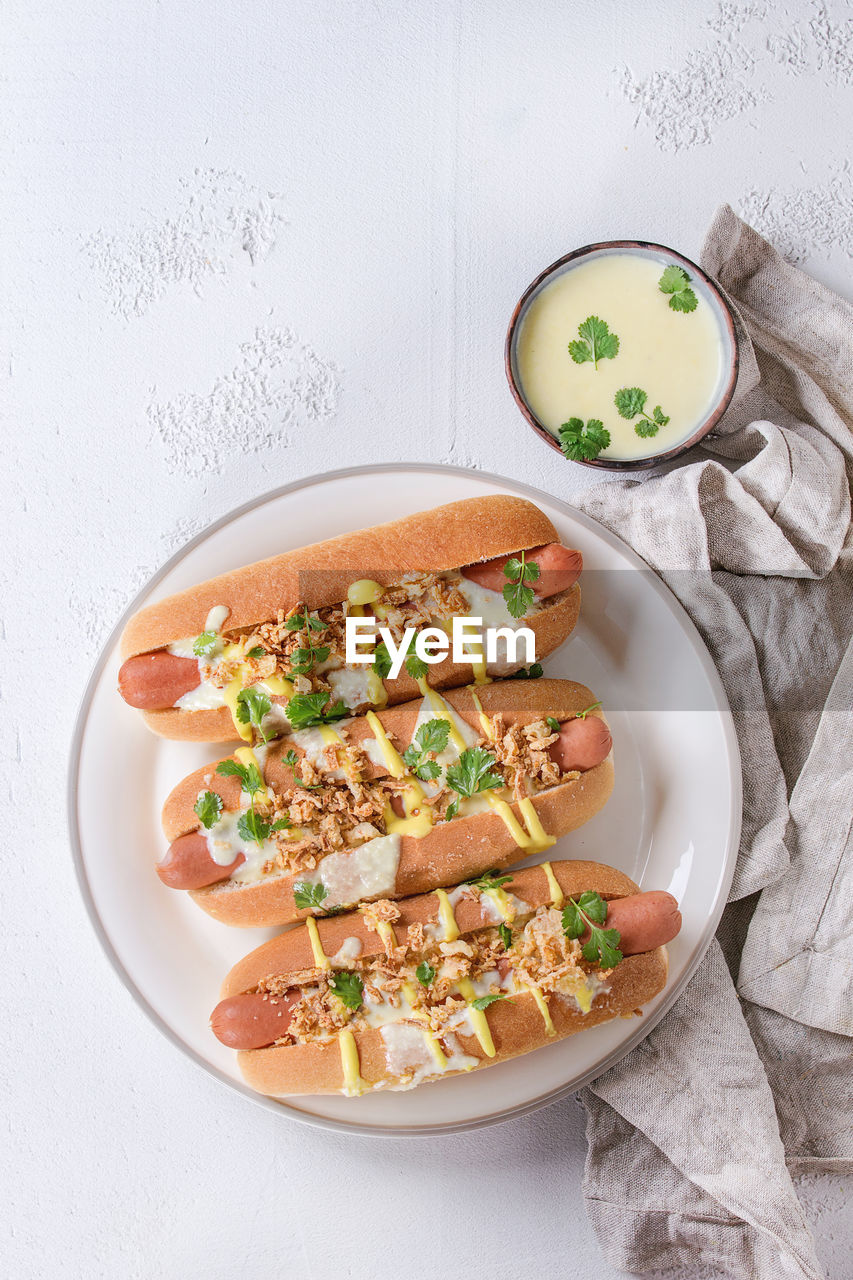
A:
(649, 460)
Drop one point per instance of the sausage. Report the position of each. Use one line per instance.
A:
(559, 569)
(582, 744)
(644, 920)
(188, 864)
(252, 1021)
(155, 681)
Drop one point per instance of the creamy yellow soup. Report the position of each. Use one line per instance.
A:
(675, 357)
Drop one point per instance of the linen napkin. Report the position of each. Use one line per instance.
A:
(692, 1136)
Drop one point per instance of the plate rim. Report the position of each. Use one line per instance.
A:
(282, 1107)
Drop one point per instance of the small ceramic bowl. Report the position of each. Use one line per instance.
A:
(704, 286)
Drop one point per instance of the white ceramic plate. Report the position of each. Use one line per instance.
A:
(673, 821)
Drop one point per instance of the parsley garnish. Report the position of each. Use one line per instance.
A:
(525, 673)
(580, 443)
(676, 282)
(208, 808)
(431, 739)
(304, 622)
(518, 596)
(483, 1002)
(309, 896)
(291, 758)
(471, 775)
(506, 936)
(307, 709)
(348, 987)
(302, 659)
(425, 973)
(251, 826)
(204, 644)
(249, 775)
(415, 666)
(589, 912)
(252, 706)
(381, 660)
(597, 342)
(582, 715)
(489, 880)
(257, 652)
(630, 401)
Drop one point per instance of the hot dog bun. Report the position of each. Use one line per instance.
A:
(450, 851)
(435, 541)
(516, 1024)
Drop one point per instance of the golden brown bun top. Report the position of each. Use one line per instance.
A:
(431, 541)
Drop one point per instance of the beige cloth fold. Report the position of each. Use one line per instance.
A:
(689, 1155)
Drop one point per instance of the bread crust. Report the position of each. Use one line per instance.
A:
(291, 951)
(551, 626)
(451, 851)
(516, 1026)
(433, 541)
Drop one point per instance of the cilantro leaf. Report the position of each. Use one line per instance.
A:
(472, 774)
(630, 401)
(252, 705)
(518, 596)
(588, 913)
(582, 715)
(525, 673)
(251, 826)
(204, 644)
(596, 342)
(506, 936)
(676, 282)
(249, 774)
(489, 880)
(381, 660)
(257, 652)
(307, 709)
(348, 987)
(208, 808)
(303, 659)
(580, 443)
(686, 301)
(483, 1002)
(425, 973)
(415, 666)
(308, 896)
(304, 622)
(431, 739)
(553, 724)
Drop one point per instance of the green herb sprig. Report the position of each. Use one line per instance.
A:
(304, 710)
(630, 401)
(581, 443)
(470, 775)
(590, 912)
(676, 282)
(348, 987)
(483, 1002)
(533, 672)
(518, 595)
(208, 809)
(596, 342)
(430, 740)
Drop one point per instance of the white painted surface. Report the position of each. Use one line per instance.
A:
(243, 243)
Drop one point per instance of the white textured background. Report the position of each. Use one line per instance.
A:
(246, 242)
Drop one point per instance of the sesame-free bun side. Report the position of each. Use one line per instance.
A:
(291, 951)
(433, 541)
(551, 626)
(516, 1026)
(519, 701)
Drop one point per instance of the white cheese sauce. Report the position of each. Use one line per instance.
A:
(408, 1056)
(369, 871)
(350, 685)
(346, 954)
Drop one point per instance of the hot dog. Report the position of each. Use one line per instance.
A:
(434, 985)
(276, 628)
(388, 804)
